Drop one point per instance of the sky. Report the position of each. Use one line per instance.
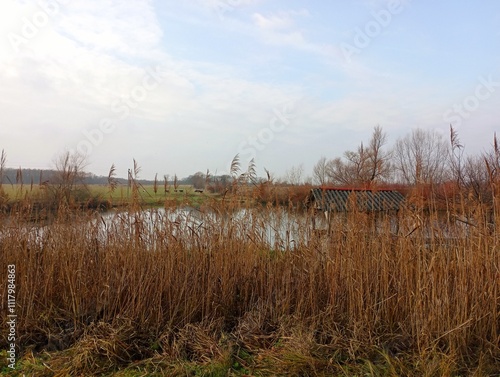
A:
(184, 86)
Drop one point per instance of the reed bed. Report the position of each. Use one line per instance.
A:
(162, 293)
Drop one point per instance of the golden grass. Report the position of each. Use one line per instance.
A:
(162, 295)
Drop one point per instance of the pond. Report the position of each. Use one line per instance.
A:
(278, 229)
(275, 229)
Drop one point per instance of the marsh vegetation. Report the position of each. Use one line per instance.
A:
(243, 286)
(156, 292)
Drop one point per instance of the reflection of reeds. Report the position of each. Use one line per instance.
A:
(217, 289)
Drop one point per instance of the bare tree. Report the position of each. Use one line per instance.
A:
(379, 164)
(364, 166)
(67, 181)
(475, 177)
(198, 180)
(421, 157)
(294, 175)
(340, 172)
(320, 176)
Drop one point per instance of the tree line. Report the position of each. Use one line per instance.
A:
(422, 157)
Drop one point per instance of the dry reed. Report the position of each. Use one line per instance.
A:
(157, 286)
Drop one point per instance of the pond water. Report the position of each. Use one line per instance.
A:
(279, 229)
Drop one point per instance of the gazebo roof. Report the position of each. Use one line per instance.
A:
(342, 200)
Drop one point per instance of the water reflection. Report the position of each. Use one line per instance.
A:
(279, 229)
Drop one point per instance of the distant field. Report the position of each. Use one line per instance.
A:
(122, 195)
(17, 192)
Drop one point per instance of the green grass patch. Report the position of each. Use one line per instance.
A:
(268, 362)
(122, 196)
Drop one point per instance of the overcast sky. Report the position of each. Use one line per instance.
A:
(183, 86)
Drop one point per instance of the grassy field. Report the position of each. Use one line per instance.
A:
(163, 296)
(122, 196)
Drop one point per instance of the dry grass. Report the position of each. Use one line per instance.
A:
(157, 294)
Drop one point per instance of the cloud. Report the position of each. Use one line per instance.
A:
(120, 28)
(274, 22)
(282, 29)
(94, 54)
(227, 5)
(88, 45)
(91, 58)
(87, 62)
(77, 58)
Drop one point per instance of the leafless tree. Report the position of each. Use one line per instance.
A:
(421, 157)
(379, 164)
(67, 181)
(340, 172)
(320, 176)
(364, 166)
(475, 177)
(294, 175)
(198, 180)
